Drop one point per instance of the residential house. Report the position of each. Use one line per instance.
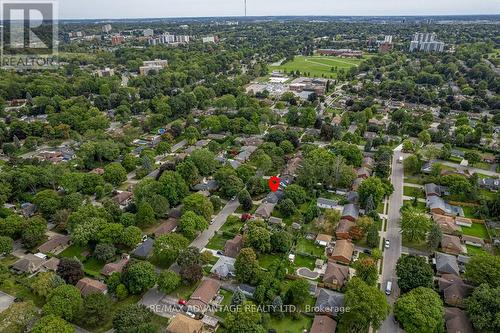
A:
(326, 203)
(30, 264)
(323, 324)
(491, 184)
(28, 209)
(352, 197)
(206, 185)
(447, 224)
(89, 286)
(55, 245)
(223, 268)
(368, 163)
(184, 324)
(451, 244)
(246, 152)
(329, 302)
(167, 226)
(246, 289)
(342, 252)
(233, 246)
(363, 173)
(456, 321)
(472, 240)
(343, 228)
(463, 222)
(51, 264)
(350, 212)
(144, 249)
(115, 267)
(446, 264)
(123, 198)
(274, 197)
(336, 276)
(432, 189)
(264, 210)
(438, 206)
(203, 295)
(276, 221)
(323, 240)
(454, 289)
(356, 183)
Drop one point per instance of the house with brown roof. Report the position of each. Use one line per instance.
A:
(323, 324)
(343, 228)
(363, 173)
(454, 289)
(456, 321)
(89, 286)
(368, 163)
(447, 224)
(29, 264)
(233, 246)
(336, 276)
(451, 244)
(55, 245)
(203, 295)
(123, 198)
(323, 240)
(115, 267)
(167, 226)
(265, 210)
(473, 240)
(51, 264)
(183, 324)
(342, 252)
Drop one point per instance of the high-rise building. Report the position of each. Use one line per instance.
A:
(117, 40)
(106, 28)
(426, 42)
(148, 32)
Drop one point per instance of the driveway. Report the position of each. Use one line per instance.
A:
(202, 240)
(5, 301)
(160, 303)
(392, 254)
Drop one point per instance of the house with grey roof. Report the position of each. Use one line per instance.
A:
(329, 302)
(446, 264)
(350, 212)
(326, 203)
(432, 189)
(29, 264)
(207, 185)
(223, 268)
(491, 184)
(265, 210)
(144, 249)
(274, 197)
(438, 206)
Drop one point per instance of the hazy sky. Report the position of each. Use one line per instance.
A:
(191, 8)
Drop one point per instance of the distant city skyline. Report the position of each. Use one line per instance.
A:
(114, 9)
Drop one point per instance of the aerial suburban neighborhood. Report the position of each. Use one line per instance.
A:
(254, 174)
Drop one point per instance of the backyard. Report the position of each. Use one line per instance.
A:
(476, 230)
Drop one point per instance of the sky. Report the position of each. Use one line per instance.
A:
(90, 9)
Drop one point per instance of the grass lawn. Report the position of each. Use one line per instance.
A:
(265, 260)
(318, 66)
(469, 212)
(309, 247)
(415, 245)
(288, 324)
(225, 302)
(476, 230)
(303, 261)
(420, 205)
(473, 250)
(240, 210)
(184, 291)
(73, 251)
(419, 180)
(232, 226)
(93, 267)
(413, 192)
(18, 286)
(217, 242)
(380, 207)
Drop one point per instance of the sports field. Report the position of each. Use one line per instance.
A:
(317, 66)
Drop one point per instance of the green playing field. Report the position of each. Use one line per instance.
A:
(318, 66)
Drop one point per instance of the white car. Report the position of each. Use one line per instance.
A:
(387, 243)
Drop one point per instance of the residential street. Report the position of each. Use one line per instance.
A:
(392, 254)
(202, 240)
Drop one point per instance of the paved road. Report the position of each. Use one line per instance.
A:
(5, 301)
(202, 240)
(471, 169)
(392, 254)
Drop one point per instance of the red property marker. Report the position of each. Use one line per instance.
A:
(274, 183)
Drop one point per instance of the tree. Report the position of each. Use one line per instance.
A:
(34, 231)
(366, 269)
(115, 173)
(258, 238)
(245, 200)
(168, 281)
(133, 318)
(45, 282)
(19, 316)
(65, 301)
(412, 164)
(70, 270)
(199, 204)
(188, 171)
(286, 207)
(434, 237)
(472, 157)
(296, 193)
(414, 224)
(204, 160)
(173, 187)
(190, 224)
(47, 201)
(424, 137)
(6, 244)
(188, 257)
(372, 237)
(246, 319)
(167, 247)
(413, 272)
(104, 252)
(373, 187)
(139, 276)
(191, 274)
(145, 214)
(297, 292)
(483, 307)
(238, 298)
(52, 324)
(281, 241)
(420, 311)
(96, 310)
(368, 307)
(246, 266)
(130, 236)
(12, 226)
(483, 268)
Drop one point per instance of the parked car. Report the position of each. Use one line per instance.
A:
(387, 243)
(367, 251)
(182, 301)
(388, 288)
(221, 253)
(245, 217)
